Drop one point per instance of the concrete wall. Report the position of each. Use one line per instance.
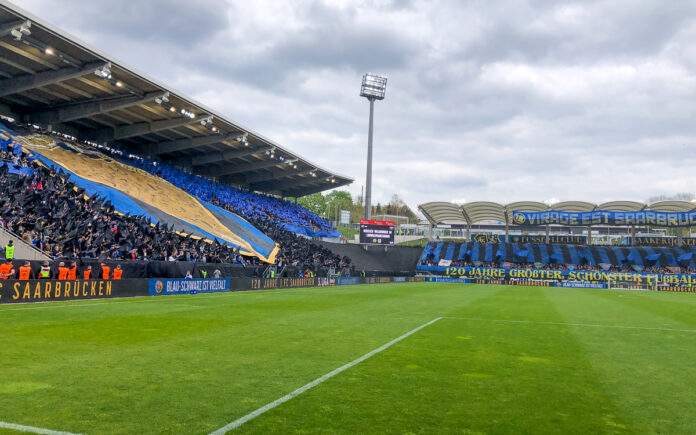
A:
(23, 251)
(395, 259)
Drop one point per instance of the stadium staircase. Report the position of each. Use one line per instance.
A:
(23, 250)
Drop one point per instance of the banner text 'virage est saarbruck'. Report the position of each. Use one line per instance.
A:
(603, 217)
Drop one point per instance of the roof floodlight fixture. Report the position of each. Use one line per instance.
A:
(163, 99)
(206, 119)
(242, 138)
(23, 29)
(104, 71)
(373, 88)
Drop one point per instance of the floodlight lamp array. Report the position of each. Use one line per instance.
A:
(24, 29)
(373, 86)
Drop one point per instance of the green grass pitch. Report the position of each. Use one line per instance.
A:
(502, 360)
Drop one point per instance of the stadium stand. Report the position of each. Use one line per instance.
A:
(499, 217)
(559, 256)
(53, 214)
(250, 205)
(59, 89)
(131, 221)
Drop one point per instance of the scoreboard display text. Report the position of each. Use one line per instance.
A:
(376, 232)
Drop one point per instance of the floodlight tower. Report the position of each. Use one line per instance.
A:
(373, 88)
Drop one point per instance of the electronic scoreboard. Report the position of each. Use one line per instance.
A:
(376, 232)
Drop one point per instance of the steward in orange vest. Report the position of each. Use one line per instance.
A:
(106, 270)
(87, 273)
(7, 270)
(118, 272)
(72, 272)
(25, 271)
(62, 271)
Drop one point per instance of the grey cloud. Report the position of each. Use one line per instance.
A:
(179, 23)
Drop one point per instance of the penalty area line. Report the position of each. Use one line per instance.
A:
(587, 325)
(252, 415)
(32, 429)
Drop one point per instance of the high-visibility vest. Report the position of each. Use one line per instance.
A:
(88, 273)
(204, 273)
(105, 272)
(72, 273)
(62, 273)
(9, 252)
(24, 273)
(118, 273)
(45, 272)
(5, 270)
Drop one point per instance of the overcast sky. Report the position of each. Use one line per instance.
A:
(486, 100)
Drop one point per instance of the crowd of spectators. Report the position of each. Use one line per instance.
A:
(298, 251)
(249, 205)
(53, 214)
(48, 211)
(555, 266)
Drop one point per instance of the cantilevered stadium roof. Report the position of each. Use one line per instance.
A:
(51, 79)
(441, 212)
(474, 212)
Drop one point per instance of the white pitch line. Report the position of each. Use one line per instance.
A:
(589, 325)
(31, 429)
(252, 415)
